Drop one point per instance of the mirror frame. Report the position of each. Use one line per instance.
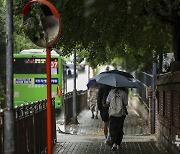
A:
(53, 10)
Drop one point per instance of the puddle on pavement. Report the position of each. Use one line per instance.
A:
(68, 129)
(74, 129)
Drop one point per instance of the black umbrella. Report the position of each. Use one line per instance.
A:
(126, 74)
(115, 80)
(90, 82)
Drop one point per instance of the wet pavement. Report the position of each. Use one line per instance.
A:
(87, 136)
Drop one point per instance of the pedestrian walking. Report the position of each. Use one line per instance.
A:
(117, 100)
(93, 94)
(102, 95)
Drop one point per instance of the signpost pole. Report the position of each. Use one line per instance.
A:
(49, 101)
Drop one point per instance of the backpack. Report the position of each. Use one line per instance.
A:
(116, 107)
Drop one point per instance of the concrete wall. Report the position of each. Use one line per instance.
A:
(168, 111)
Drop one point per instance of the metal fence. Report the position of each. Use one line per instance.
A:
(145, 80)
(81, 103)
(30, 128)
(1, 130)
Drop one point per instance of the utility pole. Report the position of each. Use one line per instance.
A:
(74, 119)
(154, 72)
(9, 121)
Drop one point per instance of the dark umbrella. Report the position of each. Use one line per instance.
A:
(115, 80)
(126, 74)
(95, 78)
(90, 83)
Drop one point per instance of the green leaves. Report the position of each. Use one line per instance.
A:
(129, 30)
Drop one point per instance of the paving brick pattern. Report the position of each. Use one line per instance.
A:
(101, 148)
(87, 137)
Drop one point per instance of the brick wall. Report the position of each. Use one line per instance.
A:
(168, 111)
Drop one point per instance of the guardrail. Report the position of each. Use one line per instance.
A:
(145, 80)
(1, 130)
(81, 103)
(30, 128)
(30, 123)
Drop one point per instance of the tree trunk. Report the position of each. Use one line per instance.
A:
(160, 63)
(176, 38)
(175, 66)
(93, 72)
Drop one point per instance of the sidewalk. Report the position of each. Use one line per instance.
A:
(87, 137)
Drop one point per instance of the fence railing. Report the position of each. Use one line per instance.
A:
(30, 128)
(81, 103)
(1, 130)
(145, 80)
(31, 124)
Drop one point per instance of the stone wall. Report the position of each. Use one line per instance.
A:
(167, 123)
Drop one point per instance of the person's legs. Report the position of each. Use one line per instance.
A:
(105, 118)
(96, 111)
(106, 129)
(120, 128)
(92, 106)
(106, 124)
(113, 131)
(107, 134)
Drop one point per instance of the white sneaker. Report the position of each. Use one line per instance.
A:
(107, 141)
(114, 147)
(119, 147)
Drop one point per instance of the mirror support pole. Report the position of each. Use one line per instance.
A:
(52, 26)
(49, 101)
(9, 118)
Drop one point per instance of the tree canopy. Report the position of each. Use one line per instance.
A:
(130, 30)
(2, 41)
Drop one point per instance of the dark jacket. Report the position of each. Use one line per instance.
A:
(102, 95)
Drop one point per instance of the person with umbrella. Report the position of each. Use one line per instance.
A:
(117, 100)
(102, 95)
(93, 93)
(113, 78)
(121, 81)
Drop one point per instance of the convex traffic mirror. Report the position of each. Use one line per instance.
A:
(41, 23)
